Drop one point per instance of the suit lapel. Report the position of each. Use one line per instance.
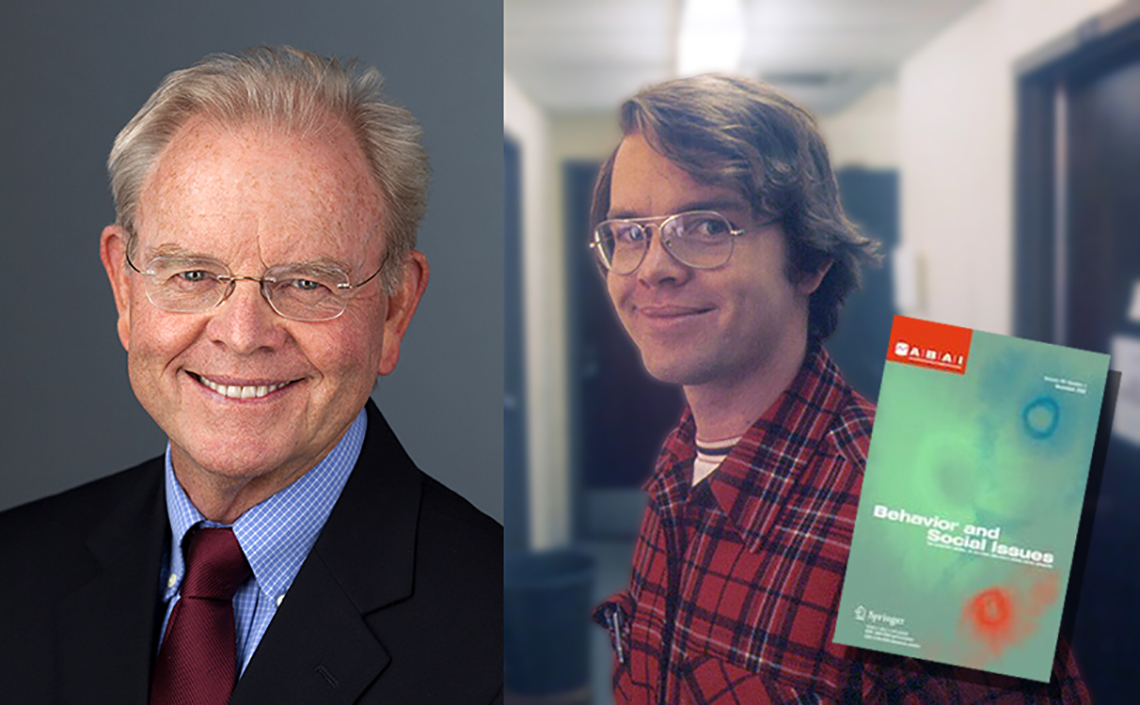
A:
(107, 626)
(319, 648)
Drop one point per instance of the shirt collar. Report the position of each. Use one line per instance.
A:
(757, 478)
(276, 534)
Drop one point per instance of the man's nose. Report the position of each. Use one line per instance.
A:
(245, 322)
(659, 266)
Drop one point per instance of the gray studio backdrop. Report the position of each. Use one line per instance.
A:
(73, 73)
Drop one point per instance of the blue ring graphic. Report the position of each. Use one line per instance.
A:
(1049, 406)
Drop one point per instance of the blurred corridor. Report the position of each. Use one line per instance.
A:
(992, 146)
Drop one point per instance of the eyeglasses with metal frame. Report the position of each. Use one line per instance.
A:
(299, 292)
(696, 239)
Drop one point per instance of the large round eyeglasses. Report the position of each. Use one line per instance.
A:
(697, 239)
(302, 292)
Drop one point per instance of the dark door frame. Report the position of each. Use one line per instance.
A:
(1041, 235)
(598, 350)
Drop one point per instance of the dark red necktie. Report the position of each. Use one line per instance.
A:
(197, 662)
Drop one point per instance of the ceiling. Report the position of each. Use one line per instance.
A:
(589, 55)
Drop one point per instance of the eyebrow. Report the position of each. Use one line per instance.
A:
(173, 250)
(180, 252)
(716, 204)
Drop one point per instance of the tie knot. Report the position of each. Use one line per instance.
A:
(215, 565)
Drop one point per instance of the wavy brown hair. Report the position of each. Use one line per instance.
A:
(741, 133)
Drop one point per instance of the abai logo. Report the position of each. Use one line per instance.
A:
(861, 613)
(938, 357)
(935, 346)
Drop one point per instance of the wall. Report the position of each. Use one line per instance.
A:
(579, 137)
(544, 324)
(865, 134)
(957, 109)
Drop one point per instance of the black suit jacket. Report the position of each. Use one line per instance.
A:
(400, 600)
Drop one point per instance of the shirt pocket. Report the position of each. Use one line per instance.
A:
(615, 615)
(637, 666)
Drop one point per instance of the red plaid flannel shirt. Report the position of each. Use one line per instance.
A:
(735, 585)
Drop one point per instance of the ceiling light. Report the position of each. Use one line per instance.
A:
(711, 37)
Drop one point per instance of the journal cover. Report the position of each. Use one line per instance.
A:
(972, 494)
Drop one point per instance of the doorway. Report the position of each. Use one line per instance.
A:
(1077, 280)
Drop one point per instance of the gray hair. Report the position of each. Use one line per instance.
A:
(744, 134)
(293, 89)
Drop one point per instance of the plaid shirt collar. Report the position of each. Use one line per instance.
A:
(752, 483)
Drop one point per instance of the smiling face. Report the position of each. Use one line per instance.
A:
(242, 393)
(722, 326)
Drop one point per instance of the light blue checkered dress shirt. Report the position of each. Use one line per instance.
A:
(275, 535)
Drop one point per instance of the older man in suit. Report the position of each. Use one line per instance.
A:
(285, 549)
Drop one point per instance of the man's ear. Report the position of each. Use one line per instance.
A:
(401, 307)
(808, 283)
(112, 250)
